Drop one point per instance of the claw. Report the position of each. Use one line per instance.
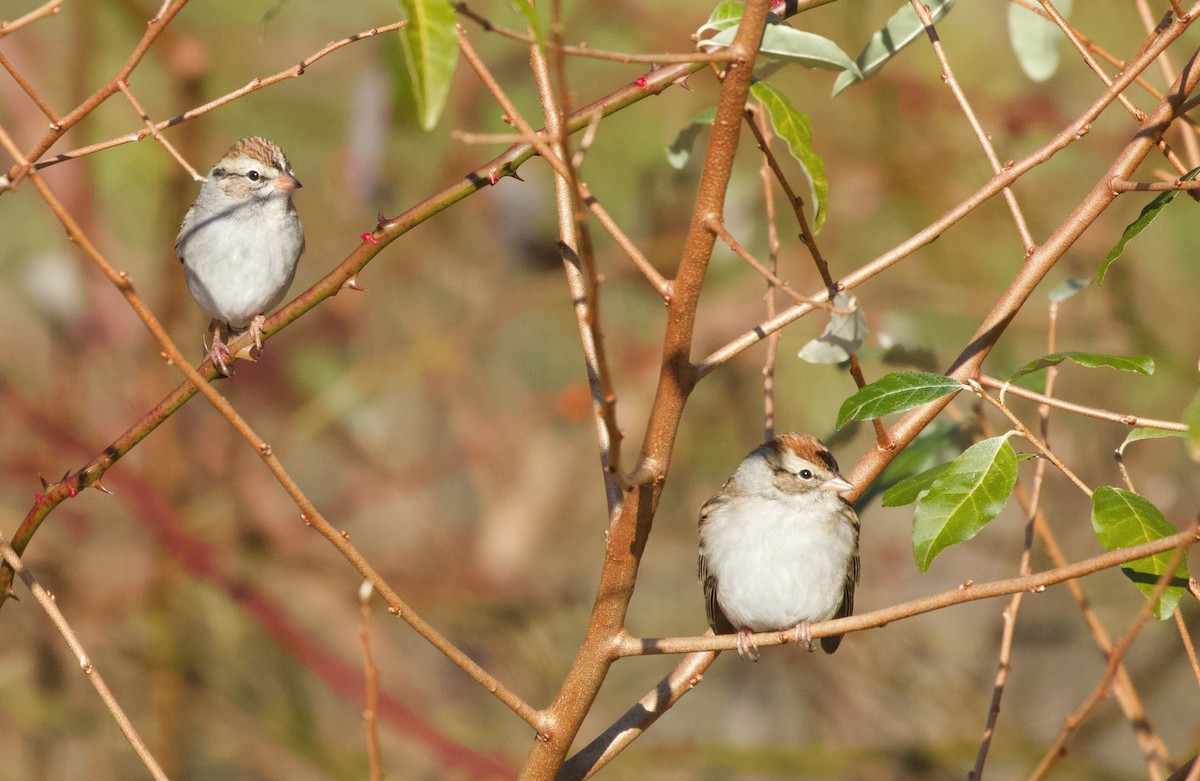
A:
(745, 645)
(803, 636)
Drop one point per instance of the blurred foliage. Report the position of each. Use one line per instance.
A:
(443, 420)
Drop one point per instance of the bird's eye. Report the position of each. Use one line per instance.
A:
(806, 474)
(254, 176)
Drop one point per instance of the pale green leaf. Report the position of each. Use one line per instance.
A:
(1142, 364)
(431, 53)
(1036, 40)
(843, 336)
(1149, 212)
(787, 43)
(680, 150)
(725, 15)
(896, 392)
(1191, 417)
(1062, 292)
(529, 14)
(902, 29)
(1122, 519)
(793, 127)
(1148, 433)
(963, 498)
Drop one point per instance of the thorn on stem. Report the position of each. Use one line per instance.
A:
(352, 283)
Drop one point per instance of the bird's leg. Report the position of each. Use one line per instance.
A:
(256, 330)
(745, 644)
(218, 353)
(803, 636)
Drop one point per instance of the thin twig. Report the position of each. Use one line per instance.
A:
(29, 90)
(583, 50)
(973, 121)
(768, 369)
(1125, 186)
(371, 677)
(196, 176)
(254, 85)
(1009, 389)
(1073, 722)
(1188, 647)
(48, 9)
(48, 603)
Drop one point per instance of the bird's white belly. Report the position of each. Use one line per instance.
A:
(243, 277)
(775, 568)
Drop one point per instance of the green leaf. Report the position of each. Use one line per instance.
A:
(1149, 212)
(1123, 519)
(902, 29)
(529, 13)
(910, 489)
(896, 392)
(1148, 433)
(793, 127)
(962, 499)
(782, 42)
(1069, 288)
(726, 15)
(843, 335)
(1035, 40)
(431, 53)
(1142, 364)
(680, 150)
(937, 444)
(1191, 417)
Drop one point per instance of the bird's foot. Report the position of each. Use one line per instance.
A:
(745, 645)
(218, 353)
(803, 636)
(256, 331)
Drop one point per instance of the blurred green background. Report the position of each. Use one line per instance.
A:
(442, 418)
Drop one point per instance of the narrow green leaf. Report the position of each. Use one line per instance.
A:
(1148, 433)
(843, 335)
(1142, 364)
(1035, 40)
(1191, 417)
(910, 489)
(963, 498)
(793, 127)
(680, 150)
(1067, 289)
(529, 13)
(896, 392)
(1122, 519)
(902, 29)
(431, 53)
(1149, 212)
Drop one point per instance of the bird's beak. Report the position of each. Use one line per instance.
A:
(837, 484)
(287, 183)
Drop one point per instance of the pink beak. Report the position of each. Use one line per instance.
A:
(837, 485)
(287, 183)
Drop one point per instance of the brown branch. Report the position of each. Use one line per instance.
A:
(627, 534)
(1125, 186)
(192, 172)
(50, 605)
(968, 592)
(1072, 723)
(154, 28)
(47, 9)
(29, 90)
(254, 85)
(371, 678)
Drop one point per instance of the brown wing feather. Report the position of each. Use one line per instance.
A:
(716, 619)
(831, 643)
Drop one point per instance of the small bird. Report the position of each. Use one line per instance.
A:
(240, 241)
(778, 545)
